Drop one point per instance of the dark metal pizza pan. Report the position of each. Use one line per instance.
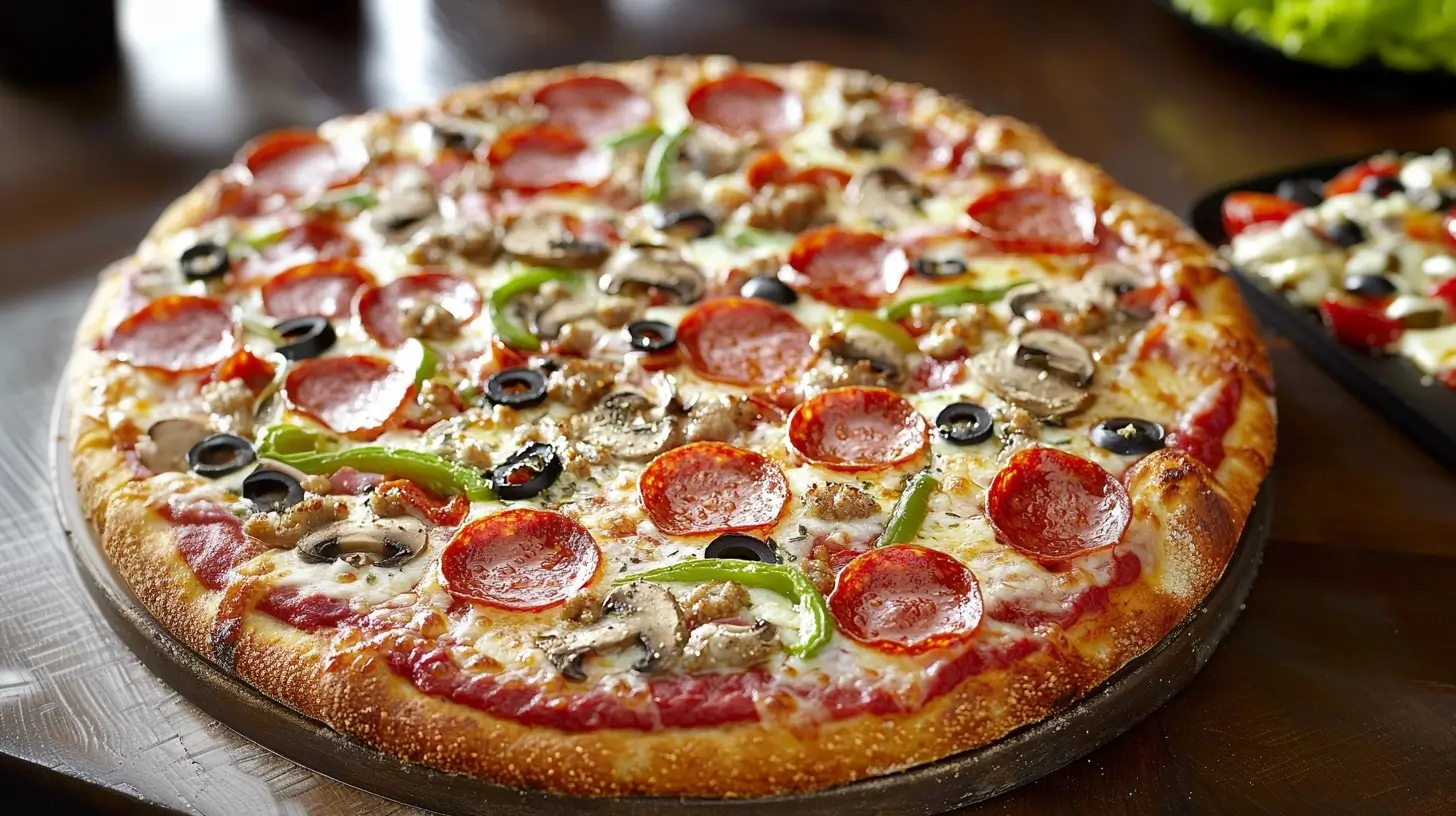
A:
(1392, 385)
(1133, 693)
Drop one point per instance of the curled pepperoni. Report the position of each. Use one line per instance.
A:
(593, 106)
(741, 104)
(858, 428)
(295, 162)
(322, 288)
(907, 599)
(522, 560)
(744, 341)
(1035, 219)
(356, 396)
(770, 167)
(855, 270)
(1054, 506)
(710, 487)
(176, 333)
(419, 501)
(547, 157)
(384, 310)
(255, 372)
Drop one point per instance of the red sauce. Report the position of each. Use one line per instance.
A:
(1200, 432)
(1126, 568)
(306, 611)
(211, 541)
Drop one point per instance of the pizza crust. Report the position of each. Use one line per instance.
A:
(1201, 514)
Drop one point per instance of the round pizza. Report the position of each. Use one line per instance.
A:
(593, 424)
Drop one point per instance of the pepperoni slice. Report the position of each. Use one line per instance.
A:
(447, 512)
(323, 288)
(593, 106)
(382, 308)
(547, 157)
(356, 396)
(854, 270)
(1035, 219)
(1054, 506)
(858, 428)
(907, 599)
(522, 560)
(295, 162)
(176, 333)
(255, 372)
(740, 104)
(744, 341)
(710, 487)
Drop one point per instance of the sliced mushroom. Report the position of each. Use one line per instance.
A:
(855, 343)
(404, 212)
(884, 195)
(548, 322)
(381, 542)
(719, 646)
(868, 126)
(657, 268)
(1118, 278)
(620, 423)
(1045, 372)
(164, 449)
(546, 239)
(638, 614)
(1030, 300)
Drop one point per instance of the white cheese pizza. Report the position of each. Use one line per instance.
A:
(592, 424)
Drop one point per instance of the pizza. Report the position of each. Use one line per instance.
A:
(590, 425)
(1373, 249)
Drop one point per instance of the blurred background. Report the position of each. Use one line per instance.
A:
(108, 111)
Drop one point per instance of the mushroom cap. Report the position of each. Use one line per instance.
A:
(658, 268)
(854, 343)
(722, 645)
(884, 195)
(380, 542)
(639, 613)
(544, 239)
(168, 441)
(404, 211)
(1045, 372)
(621, 424)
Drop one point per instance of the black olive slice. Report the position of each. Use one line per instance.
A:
(652, 335)
(964, 423)
(742, 548)
(1345, 233)
(939, 268)
(1370, 286)
(204, 261)
(1306, 191)
(769, 288)
(688, 225)
(516, 388)
(271, 490)
(219, 455)
(305, 337)
(1381, 186)
(1128, 436)
(526, 473)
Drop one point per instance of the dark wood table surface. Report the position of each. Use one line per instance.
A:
(1335, 692)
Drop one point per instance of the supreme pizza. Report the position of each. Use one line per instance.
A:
(594, 424)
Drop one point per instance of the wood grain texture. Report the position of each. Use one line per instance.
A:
(1335, 693)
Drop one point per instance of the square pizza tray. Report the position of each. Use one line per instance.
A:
(1425, 410)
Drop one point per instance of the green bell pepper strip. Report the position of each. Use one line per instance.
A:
(952, 296)
(909, 512)
(314, 454)
(418, 358)
(884, 328)
(742, 237)
(633, 137)
(506, 328)
(784, 580)
(657, 172)
(359, 197)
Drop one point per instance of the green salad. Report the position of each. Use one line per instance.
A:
(1409, 35)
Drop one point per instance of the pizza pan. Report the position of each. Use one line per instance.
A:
(1425, 410)
(1131, 694)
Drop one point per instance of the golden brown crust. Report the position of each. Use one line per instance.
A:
(1187, 520)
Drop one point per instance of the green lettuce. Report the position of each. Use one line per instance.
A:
(1409, 35)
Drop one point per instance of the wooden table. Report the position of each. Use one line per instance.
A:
(1335, 693)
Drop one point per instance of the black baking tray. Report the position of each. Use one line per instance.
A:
(1425, 410)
